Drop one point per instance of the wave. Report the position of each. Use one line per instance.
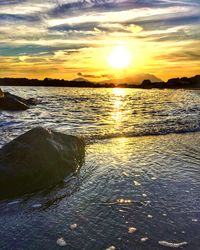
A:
(98, 137)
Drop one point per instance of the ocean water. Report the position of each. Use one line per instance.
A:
(139, 184)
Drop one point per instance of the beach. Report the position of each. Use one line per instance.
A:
(139, 182)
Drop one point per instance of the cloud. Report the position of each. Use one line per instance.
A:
(169, 21)
(10, 50)
(18, 18)
(85, 6)
(182, 55)
(98, 27)
(73, 33)
(12, 2)
(93, 75)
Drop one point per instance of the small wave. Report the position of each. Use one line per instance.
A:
(91, 139)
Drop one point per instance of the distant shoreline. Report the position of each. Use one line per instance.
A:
(174, 83)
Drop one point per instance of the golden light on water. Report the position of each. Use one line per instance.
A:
(118, 103)
(119, 91)
(120, 57)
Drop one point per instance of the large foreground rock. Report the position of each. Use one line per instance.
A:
(38, 159)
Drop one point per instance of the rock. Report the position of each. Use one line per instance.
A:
(144, 239)
(136, 183)
(73, 226)
(38, 159)
(111, 248)
(61, 242)
(9, 103)
(30, 101)
(132, 230)
(1, 93)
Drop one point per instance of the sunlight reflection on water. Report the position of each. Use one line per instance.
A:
(148, 183)
(105, 112)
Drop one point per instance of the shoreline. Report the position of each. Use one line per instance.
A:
(86, 87)
(174, 83)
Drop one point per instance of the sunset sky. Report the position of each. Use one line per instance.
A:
(68, 39)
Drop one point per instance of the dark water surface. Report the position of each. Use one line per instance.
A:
(134, 176)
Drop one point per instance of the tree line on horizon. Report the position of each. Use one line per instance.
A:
(184, 82)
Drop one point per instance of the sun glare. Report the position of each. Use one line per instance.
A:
(120, 57)
(119, 91)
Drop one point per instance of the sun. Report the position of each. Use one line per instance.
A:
(120, 57)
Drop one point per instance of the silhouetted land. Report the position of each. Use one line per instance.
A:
(174, 83)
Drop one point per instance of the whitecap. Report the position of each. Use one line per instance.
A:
(36, 205)
(13, 203)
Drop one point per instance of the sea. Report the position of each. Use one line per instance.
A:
(139, 185)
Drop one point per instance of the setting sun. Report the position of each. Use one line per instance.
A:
(120, 57)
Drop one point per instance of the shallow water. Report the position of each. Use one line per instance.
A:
(105, 112)
(150, 183)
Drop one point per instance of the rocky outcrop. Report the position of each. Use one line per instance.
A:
(9, 101)
(1, 93)
(30, 101)
(38, 159)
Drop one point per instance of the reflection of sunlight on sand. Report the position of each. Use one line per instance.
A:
(119, 151)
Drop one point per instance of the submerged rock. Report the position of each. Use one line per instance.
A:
(38, 159)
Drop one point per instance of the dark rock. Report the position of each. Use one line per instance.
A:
(38, 159)
(1, 93)
(30, 101)
(9, 103)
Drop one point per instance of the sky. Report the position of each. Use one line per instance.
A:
(66, 39)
